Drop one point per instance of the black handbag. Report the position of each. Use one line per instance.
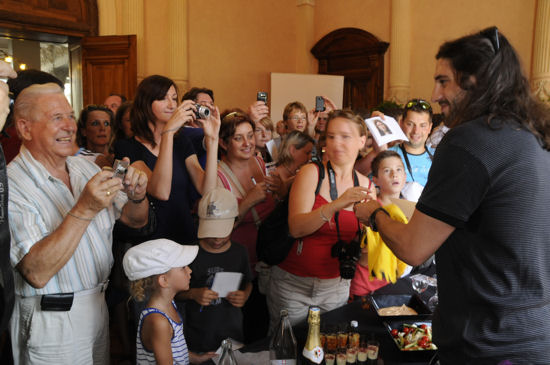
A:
(274, 239)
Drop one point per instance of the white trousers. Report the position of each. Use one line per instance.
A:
(78, 336)
(297, 293)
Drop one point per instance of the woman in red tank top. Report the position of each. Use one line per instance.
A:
(310, 275)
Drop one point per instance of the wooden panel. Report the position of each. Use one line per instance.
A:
(75, 18)
(108, 66)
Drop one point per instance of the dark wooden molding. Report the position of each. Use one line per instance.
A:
(65, 18)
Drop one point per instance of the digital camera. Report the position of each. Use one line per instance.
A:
(262, 96)
(120, 168)
(348, 254)
(202, 112)
(319, 104)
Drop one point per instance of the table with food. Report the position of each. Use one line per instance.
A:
(395, 319)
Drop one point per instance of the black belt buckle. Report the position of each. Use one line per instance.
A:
(57, 302)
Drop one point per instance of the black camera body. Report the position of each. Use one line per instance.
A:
(262, 96)
(202, 112)
(348, 253)
(319, 104)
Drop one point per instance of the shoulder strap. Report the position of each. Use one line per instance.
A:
(406, 157)
(224, 180)
(240, 188)
(321, 170)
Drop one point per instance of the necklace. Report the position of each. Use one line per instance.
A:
(290, 173)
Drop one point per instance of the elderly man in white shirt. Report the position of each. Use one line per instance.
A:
(61, 213)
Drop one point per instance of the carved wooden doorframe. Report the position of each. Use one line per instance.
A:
(359, 57)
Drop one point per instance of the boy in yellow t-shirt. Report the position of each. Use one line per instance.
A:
(378, 265)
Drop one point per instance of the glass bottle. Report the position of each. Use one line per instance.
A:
(282, 348)
(313, 352)
(353, 343)
(227, 357)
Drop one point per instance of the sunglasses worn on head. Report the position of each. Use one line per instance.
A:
(492, 35)
(418, 102)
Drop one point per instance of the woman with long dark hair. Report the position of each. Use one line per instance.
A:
(168, 157)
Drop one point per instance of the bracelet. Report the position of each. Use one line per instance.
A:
(323, 216)
(372, 218)
(78, 217)
(137, 201)
(169, 130)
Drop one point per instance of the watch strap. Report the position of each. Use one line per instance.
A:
(372, 218)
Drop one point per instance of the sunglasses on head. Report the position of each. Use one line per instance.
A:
(492, 35)
(420, 103)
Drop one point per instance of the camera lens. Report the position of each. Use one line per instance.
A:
(202, 112)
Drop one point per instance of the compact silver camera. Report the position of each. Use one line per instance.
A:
(120, 168)
(202, 112)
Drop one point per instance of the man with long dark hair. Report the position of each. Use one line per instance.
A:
(483, 209)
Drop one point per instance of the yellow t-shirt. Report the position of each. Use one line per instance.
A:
(383, 264)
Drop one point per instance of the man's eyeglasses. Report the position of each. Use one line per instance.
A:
(420, 103)
(492, 35)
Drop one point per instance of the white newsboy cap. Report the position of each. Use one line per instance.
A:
(156, 257)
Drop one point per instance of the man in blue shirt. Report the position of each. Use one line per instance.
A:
(416, 124)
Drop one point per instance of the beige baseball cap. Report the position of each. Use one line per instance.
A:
(156, 257)
(217, 211)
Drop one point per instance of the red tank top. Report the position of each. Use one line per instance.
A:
(315, 260)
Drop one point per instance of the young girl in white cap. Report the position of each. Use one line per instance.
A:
(158, 270)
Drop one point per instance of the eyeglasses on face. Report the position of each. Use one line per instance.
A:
(420, 103)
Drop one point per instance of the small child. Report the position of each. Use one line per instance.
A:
(378, 265)
(158, 270)
(209, 318)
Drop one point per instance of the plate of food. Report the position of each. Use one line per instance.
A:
(399, 306)
(411, 336)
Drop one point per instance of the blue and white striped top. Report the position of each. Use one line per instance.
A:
(180, 354)
(38, 203)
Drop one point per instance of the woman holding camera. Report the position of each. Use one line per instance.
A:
(168, 157)
(310, 275)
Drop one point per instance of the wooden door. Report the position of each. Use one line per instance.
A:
(109, 65)
(359, 57)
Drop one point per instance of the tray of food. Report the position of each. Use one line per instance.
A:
(394, 306)
(411, 336)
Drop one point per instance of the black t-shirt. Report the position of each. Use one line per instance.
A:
(174, 219)
(493, 271)
(207, 327)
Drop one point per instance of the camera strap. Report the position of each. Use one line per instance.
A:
(334, 193)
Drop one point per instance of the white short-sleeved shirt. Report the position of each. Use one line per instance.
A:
(38, 203)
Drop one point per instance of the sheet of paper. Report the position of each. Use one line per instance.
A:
(271, 147)
(385, 130)
(406, 206)
(226, 282)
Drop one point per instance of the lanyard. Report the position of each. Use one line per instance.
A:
(334, 192)
(406, 157)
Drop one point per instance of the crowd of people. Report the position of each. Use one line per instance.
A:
(196, 186)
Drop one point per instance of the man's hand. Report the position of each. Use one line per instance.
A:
(257, 111)
(5, 71)
(237, 298)
(196, 358)
(98, 194)
(203, 296)
(135, 182)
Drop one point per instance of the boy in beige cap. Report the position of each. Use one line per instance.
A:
(209, 318)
